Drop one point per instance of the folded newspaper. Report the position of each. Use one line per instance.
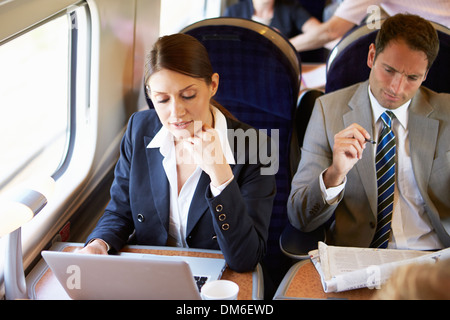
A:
(347, 268)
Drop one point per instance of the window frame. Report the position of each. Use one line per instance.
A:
(78, 104)
(114, 70)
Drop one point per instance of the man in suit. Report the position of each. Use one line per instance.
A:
(336, 184)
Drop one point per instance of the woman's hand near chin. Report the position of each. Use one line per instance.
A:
(206, 151)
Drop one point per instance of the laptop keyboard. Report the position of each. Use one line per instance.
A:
(200, 281)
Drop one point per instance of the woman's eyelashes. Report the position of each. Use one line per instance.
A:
(184, 97)
(189, 97)
(162, 100)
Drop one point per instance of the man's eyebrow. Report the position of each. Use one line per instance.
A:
(395, 70)
(389, 67)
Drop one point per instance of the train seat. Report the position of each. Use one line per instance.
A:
(347, 63)
(259, 84)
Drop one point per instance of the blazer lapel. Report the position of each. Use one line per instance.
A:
(159, 184)
(361, 113)
(423, 132)
(199, 205)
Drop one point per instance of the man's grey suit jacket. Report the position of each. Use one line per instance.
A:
(353, 217)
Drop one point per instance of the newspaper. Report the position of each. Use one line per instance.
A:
(347, 268)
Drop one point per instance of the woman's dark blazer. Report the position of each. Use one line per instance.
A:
(235, 222)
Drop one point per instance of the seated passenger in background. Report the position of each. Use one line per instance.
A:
(286, 16)
(178, 181)
(402, 184)
(351, 13)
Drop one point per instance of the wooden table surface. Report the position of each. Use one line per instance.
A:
(43, 285)
(303, 282)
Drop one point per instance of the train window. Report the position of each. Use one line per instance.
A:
(34, 101)
(45, 85)
(177, 14)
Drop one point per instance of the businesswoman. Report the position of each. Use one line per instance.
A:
(179, 181)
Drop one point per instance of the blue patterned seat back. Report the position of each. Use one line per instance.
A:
(347, 63)
(259, 86)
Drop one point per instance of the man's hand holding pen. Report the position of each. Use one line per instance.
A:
(348, 148)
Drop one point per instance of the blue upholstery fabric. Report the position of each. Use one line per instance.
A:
(437, 78)
(252, 72)
(258, 86)
(350, 65)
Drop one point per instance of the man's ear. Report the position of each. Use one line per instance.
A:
(371, 56)
(425, 76)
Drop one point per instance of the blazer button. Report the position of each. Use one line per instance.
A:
(140, 218)
(222, 217)
(219, 208)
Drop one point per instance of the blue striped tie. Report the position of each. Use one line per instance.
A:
(385, 167)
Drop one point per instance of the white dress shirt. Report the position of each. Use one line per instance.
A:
(180, 202)
(411, 227)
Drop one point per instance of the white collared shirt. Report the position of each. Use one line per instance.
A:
(411, 227)
(180, 202)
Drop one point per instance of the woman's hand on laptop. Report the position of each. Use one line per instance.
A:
(96, 246)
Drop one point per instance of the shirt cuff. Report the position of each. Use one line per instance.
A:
(215, 191)
(331, 195)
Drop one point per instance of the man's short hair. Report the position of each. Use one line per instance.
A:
(418, 33)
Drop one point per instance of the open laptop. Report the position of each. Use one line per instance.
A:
(132, 275)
